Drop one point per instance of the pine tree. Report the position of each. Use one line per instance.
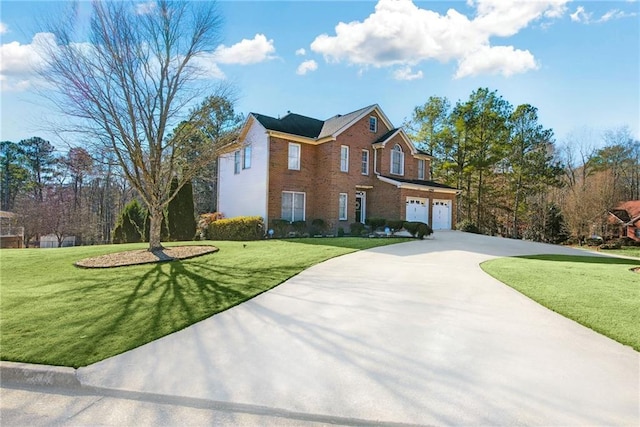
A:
(181, 214)
(130, 224)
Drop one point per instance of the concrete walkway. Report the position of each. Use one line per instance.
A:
(413, 333)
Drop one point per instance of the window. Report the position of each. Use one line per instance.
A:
(397, 160)
(365, 162)
(420, 169)
(342, 207)
(373, 124)
(293, 206)
(294, 156)
(236, 162)
(246, 157)
(344, 158)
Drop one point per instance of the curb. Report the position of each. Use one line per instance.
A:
(42, 375)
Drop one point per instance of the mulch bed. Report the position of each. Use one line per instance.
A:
(143, 256)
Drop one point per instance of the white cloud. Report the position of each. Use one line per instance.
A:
(400, 33)
(616, 14)
(580, 15)
(307, 66)
(145, 8)
(503, 60)
(406, 73)
(19, 63)
(3, 28)
(301, 52)
(246, 51)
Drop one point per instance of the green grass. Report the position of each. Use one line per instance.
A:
(598, 292)
(633, 251)
(54, 313)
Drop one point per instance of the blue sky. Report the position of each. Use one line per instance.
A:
(576, 61)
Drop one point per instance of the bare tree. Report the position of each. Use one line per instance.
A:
(132, 84)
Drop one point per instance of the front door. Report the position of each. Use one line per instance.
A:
(361, 206)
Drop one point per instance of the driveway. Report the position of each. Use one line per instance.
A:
(412, 333)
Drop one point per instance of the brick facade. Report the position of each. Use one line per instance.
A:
(322, 181)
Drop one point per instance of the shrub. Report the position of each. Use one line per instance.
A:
(204, 221)
(280, 227)
(340, 232)
(130, 225)
(299, 227)
(468, 227)
(318, 226)
(181, 214)
(423, 230)
(395, 224)
(238, 228)
(418, 229)
(375, 223)
(357, 228)
(611, 245)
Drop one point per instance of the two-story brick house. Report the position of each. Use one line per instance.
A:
(342, 170)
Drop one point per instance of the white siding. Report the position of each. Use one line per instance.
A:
(245, 194)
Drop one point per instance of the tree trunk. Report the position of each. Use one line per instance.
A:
(155, 228)
(514, 234)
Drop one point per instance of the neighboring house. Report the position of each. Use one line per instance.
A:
(627, 217)
(342, 170)
(11, 236)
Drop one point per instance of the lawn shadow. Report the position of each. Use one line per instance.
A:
(582, 259)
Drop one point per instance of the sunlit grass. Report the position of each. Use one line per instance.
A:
(54, 313)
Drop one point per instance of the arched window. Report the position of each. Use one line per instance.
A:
(397, 160)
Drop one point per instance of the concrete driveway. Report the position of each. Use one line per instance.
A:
(412, 333)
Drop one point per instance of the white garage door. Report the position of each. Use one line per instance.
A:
(417, 209)
(441, 215)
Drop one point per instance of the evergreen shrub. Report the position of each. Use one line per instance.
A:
(238, 228)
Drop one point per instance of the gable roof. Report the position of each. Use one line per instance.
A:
(308, 127)
(294, 124)
(632, 210)
(337, 123)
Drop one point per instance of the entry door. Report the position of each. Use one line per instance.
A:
(361, 206)
(441, 215)
(417, 209)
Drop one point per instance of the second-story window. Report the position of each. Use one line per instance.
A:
(246, 157)
(397, 160)
(294, 156)
(421, 166)
(373, 124)
(344, 158)
(365, 162)
(236, 162)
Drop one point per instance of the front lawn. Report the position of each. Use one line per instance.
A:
(633, 251)
(54, 313)
(598, 292)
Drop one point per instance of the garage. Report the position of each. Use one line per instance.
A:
(441, 215)
(417, 209)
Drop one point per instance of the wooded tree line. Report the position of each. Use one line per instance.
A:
(516, 180)
(83, 192)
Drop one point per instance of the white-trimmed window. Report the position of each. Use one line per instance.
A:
(344, 158)
(342, 207)
(397, 160)
(365, 162)
(294, 156)
(421, 166)
(293, 206)
(246, 157)
(373, 124)
(236, 162)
